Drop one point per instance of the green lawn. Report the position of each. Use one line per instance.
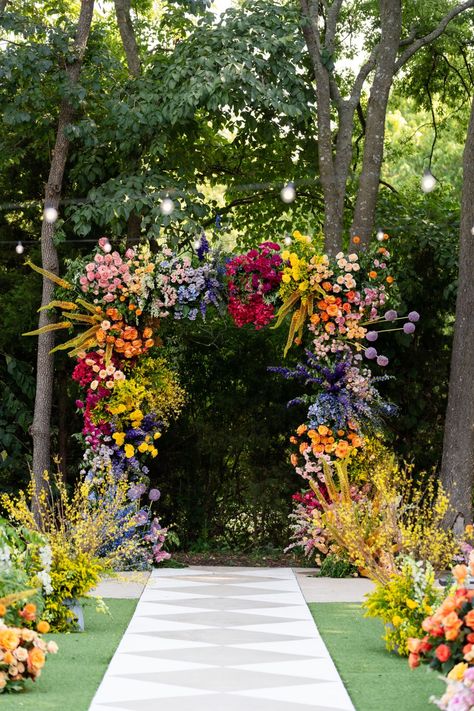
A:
(375, 679)
(70, 678)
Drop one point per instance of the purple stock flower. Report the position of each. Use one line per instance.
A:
(154, 494)
(370, 353)
(390, 315)
(414, 316)
(408, 327)
(372, 336)
(382, 360)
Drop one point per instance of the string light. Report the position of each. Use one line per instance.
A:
(19, 249)
(107, 247)
(287, 241)
(166, 206)
(288, 193)
(428, 181)
(50, 215)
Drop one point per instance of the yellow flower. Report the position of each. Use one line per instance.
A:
(297, 234)
(129, 451)
(303, 286)
(286, 278)
(285, 255)
(397, 620)
(119, 438)
(411, 604)
(457, 672)
(143, 447)
(157, 435)
(154, 452)
(136, 415)
(118, 409)
(294, 261)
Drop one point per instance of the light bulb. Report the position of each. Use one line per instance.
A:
(428, 181)
(19, 249)
(197, 243)
(380, 235)
(288, 193)
(166, 206)
(50, 214)
(107, 247)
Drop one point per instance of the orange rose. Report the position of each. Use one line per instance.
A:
(294, 460)
(332, 310)
(469, 619)
(414, 645)
(36, 660)
(147, 332)
(8, 658)
(29, 612)
(43, 627)
(372, 274)
(9, 639)
(301, 430)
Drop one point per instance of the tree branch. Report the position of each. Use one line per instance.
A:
(125, 25)
(331, 24)
(433, 35)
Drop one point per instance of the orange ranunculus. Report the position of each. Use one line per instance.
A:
(372, 274)
(43, 627)
(293, 440)
(36, 660)
(100, 335)
(356, 239)
(470, 637)
(323, 430)
(294, 460)
(327, 286)
(390, 280)
(9, 639)
(350, 295)
(318, 448)
(315, 318)
(330, 327)
(3, 610)
(466, 649)
(342, 449)
(301, 430)
(332, 310)
(448, 605)
(413, 660)
(147, 332)
(303, 447)
(347, 307)
(460, 573)
(451, 631)
(331, 299)
(324, 316)
(312, 434)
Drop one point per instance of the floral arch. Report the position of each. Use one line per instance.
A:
(337, 307)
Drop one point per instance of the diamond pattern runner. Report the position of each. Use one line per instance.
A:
(222, 640)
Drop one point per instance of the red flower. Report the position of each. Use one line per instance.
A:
(443, 653)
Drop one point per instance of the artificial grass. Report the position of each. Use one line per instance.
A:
(71, 677)
(375, 679)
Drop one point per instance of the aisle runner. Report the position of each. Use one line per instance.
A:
(222, 639)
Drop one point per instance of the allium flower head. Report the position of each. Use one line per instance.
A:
(391, 315)
(370, 353)
(414, 316)
(409, 327)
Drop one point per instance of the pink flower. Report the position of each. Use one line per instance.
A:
(108, 298)
(130, 253)
(99, 258)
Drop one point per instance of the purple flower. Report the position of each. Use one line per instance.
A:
(80, 404)
(382, 360)
(141, 518)
(408, 327)
(414, 316)
(390, 315)
(136, 491)
(372, 336)
(370, 353)
(154, 494)
(160, 555)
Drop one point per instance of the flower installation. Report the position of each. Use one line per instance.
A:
(338, 305)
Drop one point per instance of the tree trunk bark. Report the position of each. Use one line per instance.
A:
(367, 192)
(41, 427)
(457, 468)
(3, 4)
(125, 25)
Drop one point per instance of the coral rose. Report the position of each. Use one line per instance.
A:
(469, 619)
(443, 653)
(460, 572)
(29, 612)
(9, 639)
(414, 645)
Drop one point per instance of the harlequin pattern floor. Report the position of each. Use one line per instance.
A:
(222, 640)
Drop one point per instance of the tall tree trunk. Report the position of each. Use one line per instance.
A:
(366, 200)
(41, 427)
(457, 468)
(125, 25)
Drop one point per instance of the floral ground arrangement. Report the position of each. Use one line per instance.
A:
(358, 504)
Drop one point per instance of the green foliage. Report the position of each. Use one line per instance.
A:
(334, 566)
(404, 602)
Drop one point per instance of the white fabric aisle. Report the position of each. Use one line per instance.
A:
(222, 639)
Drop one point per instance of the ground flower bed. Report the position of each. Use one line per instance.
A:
(375, 679)
(71, 679)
